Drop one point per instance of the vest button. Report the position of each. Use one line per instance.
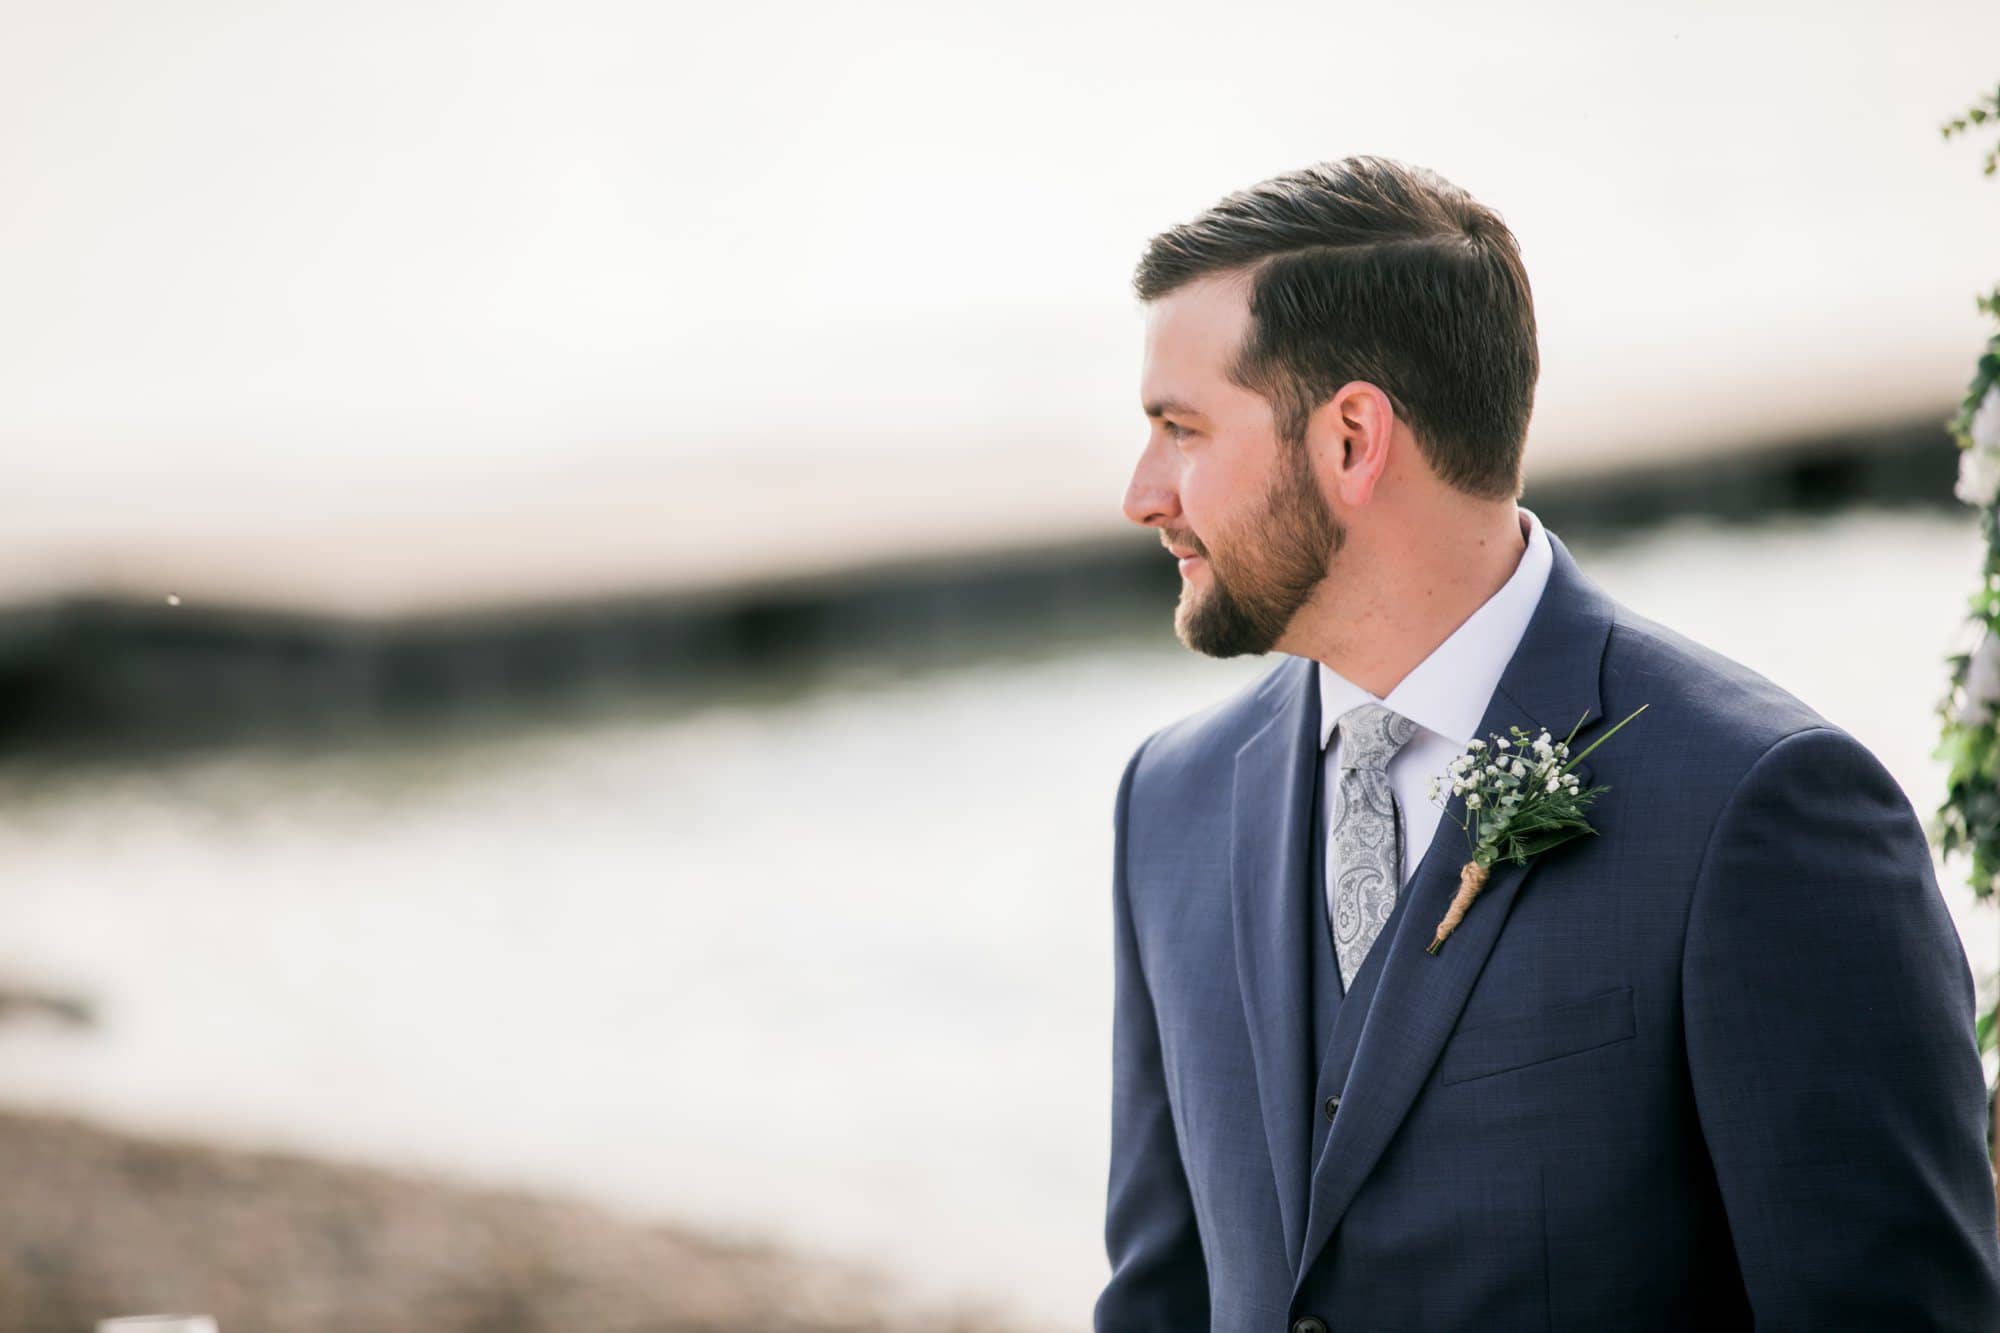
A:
(1309, 1325)
(1332, 1105)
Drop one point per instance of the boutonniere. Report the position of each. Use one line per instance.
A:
(1520, 799)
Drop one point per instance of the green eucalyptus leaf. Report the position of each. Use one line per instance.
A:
(1537, 845)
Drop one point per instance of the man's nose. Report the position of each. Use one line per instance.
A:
(1152, 498)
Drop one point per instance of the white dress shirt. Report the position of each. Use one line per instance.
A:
(1445, 695)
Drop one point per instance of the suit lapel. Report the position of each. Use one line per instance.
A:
(1271, 860)
(1551, 681)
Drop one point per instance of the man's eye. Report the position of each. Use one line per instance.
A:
(1175, 430)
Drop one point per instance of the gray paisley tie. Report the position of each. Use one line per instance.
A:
(1367, 856)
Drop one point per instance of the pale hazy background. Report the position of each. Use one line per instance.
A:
(568, 296)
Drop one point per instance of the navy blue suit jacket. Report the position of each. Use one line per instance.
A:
(1711, 1068)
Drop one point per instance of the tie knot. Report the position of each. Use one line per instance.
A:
(1371, 735)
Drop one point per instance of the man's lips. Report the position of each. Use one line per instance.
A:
(1187, 559)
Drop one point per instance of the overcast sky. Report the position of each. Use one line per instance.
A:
(409, 241)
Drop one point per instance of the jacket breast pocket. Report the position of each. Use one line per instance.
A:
(1561, 1029)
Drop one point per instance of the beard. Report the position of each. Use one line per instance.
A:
(1258, 582)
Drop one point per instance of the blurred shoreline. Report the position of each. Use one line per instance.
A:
(106, 670)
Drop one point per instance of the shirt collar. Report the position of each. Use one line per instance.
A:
(1448, 691)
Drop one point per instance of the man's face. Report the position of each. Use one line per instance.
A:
(1218, 483)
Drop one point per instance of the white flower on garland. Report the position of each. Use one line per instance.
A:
(1979, 465)
(1982, 681)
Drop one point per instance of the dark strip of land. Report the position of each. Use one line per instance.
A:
(93, 675)
(96, 1223)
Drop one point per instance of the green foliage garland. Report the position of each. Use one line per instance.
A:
(1969, 712)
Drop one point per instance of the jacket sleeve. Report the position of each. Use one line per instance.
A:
(1828, 1013)
(1159, 1279)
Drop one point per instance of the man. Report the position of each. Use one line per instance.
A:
(1710, 1067)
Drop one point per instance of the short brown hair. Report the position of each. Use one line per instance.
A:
(1372, 269)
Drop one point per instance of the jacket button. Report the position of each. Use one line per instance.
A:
(1332, 1105)
(1309, 1325)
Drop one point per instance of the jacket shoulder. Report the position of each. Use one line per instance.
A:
(1691, 690)
(1205, 741)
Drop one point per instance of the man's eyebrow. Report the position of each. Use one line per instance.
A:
(1161, 406)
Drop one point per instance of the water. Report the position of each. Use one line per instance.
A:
(832, 967)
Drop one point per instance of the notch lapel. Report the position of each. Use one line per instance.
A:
(1551, 680)
(1270, 862)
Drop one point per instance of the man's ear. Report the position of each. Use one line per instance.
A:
(1351, 430)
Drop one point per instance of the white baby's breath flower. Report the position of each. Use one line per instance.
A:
(1475, 745)
(1519, 769)
(1472, 801)
(1554, 782)
(1501, 741)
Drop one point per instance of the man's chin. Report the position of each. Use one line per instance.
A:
(1199, 633)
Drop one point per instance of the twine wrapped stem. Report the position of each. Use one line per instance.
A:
(1471, 879)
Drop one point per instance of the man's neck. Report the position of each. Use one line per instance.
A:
(1389, 602)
